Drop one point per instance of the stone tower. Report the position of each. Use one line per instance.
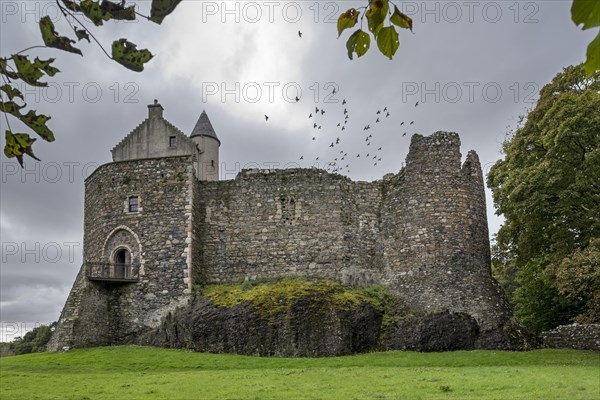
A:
(208, 145)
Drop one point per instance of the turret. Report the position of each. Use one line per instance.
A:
(205, 138)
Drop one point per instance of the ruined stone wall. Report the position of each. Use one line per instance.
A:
(294, 222)
(423, 232)
(435, 235)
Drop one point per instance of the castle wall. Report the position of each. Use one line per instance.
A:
(158, 237)
(423, 232)
(293, 222)
(435, 235)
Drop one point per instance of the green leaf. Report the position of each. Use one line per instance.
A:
(126, 54)
(387, 41)
(359, 43)
(400, 19)
(10, 107)
(94, 12)
(31, 72)
(586, 12)
(71, 5)
(118, 11)
(347, 20)
(38, 124)
(17, 145)
(161, 8)
(592, 64)
(4, 69)
(11, 92)
(51, 38)
(376, 14)
(81, 34)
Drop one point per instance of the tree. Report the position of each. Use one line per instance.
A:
(548, 189)
(33, 341)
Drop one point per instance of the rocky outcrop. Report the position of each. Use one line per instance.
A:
(308, 328)
(435, 332)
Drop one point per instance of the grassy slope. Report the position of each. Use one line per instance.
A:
(150, 373)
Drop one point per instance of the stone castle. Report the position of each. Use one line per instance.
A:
(158, 221)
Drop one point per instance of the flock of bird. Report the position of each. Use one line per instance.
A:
(340, 161)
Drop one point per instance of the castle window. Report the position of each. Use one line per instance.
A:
(172, 141)
(288, 209)
(133, 204)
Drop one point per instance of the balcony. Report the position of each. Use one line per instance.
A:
(112, 272)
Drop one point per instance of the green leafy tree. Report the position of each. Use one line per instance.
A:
(548, 189)
(578, 276)
(33, 341)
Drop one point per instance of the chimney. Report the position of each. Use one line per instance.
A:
(155, 110)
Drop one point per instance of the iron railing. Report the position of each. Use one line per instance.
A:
(112, 272)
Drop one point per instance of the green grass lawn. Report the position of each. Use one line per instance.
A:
(131, 372)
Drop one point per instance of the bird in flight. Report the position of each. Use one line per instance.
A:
(343, 128)
(404, 134)
(378, 112)
(331, 145)
(322, 111)
(266, 117)
(402, 123)
(316, 109)
(377, 120)
(310, 116)
(416, 104)
(299, 33)
(302, 157)
(387, 115)
(297, 99)
(385, 109)
(412, 122)
(314, 138)
(379, 149)
(333, 91)
(315, 125)
(339, 123)
(344, 102)
(345, 111)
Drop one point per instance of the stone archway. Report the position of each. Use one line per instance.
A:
(122, 250)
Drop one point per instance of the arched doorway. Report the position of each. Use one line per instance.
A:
(121, 260)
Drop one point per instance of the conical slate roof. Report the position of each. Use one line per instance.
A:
(204, 127)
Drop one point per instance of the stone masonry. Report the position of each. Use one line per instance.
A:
(422, 232)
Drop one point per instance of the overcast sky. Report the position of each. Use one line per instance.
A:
(473, 66)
